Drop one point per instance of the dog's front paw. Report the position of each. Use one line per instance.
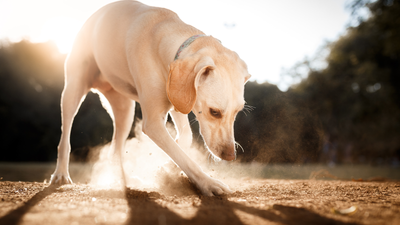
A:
(212, 187)
(60, 178)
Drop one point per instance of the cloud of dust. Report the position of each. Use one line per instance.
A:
(287, 132)
(147, 167)
(286, 137)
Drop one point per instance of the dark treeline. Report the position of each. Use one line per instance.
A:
(357, 96)
(347, 112)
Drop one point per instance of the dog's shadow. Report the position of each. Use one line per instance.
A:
(145, 209)
(214, 210)
(14, 217)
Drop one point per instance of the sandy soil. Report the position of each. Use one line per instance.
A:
(254, 201)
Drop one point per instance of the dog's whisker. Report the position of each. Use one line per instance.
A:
(237, 144)
(211, 158)
(249, 108)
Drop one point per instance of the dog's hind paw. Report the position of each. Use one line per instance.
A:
(59, 178)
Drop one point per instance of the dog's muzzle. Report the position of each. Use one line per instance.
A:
(228, 153)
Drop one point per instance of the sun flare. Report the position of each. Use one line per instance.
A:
(61, 30)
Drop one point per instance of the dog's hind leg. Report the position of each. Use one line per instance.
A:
(80, 70)
(122, 112)
(73, 94)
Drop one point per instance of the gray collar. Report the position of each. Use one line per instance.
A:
(187, 43)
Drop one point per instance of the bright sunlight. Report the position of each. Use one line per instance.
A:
(61, 30)
(268, 35)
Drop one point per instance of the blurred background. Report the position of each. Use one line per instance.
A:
(325, 85)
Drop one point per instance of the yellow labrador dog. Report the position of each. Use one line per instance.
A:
(128, 52)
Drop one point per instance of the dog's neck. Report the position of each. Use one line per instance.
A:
(171, 43)
(187, 43)
(191, 44)
(168, 45)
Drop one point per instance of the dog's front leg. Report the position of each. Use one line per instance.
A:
(184, 137)
(154, 127)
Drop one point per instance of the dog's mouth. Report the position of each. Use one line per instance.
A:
(228, 154)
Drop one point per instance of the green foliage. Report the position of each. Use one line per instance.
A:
(357, 96)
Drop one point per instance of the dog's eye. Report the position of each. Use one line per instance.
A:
(215, 113)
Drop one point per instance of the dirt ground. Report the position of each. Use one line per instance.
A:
(255, 201)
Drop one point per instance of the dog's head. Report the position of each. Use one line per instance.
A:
(210, 82)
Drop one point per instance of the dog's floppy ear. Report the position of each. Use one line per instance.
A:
(246, 78)
(183, 79)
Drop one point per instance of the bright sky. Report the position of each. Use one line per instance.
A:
(268, 35)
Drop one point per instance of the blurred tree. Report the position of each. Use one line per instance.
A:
(279, 128)
(28, 84)
(31, 81)
(357, 96)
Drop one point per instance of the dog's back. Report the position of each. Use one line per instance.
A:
(111, 31)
